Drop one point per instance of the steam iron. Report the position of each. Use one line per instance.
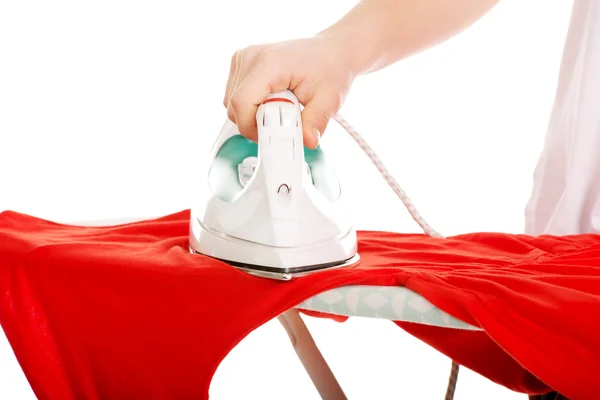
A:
(275, 208)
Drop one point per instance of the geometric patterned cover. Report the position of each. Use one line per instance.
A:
(395, 303)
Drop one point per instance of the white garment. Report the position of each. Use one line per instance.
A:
(566, 187)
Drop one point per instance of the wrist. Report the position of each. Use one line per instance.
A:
(353, 53)
(361, 35)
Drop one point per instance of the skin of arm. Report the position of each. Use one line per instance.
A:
(320, 70)
(378, 33)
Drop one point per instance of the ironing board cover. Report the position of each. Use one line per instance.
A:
(394, 303)
(128, 312)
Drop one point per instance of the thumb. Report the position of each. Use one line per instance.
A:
(316, 115)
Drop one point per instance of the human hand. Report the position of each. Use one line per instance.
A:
(315, 69)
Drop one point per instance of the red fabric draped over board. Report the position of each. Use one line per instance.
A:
(127, 312)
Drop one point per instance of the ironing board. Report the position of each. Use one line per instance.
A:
(384, 302)
(395, 303)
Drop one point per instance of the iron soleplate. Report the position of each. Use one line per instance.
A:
(286, 274)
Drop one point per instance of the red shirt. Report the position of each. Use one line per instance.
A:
(128, 312)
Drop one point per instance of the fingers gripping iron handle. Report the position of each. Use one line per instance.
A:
(281, 153)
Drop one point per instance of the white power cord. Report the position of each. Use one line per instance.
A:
(409, 207)
(387, 176)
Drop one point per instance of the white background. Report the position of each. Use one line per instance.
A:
(107, 108)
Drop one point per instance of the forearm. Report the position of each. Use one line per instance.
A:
(377, 33)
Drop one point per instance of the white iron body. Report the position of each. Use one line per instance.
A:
(272, 213)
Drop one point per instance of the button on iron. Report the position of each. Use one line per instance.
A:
(283, 190)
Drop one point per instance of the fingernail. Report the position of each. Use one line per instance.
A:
(317, 136)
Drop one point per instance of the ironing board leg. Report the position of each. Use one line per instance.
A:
(310, 356)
